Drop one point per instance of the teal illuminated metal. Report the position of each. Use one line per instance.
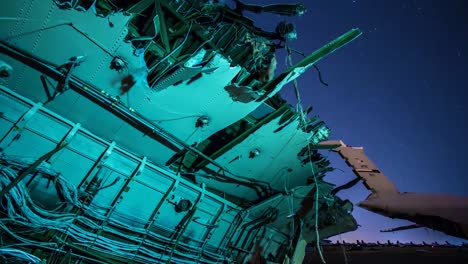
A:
(310, 60)
(328, 49)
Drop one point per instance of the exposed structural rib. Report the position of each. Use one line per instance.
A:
(203, 89)
(111, 105)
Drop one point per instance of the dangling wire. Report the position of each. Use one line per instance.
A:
(300, 110)
(174, 50)
(344, 251)
(315, 65)
(319, 74)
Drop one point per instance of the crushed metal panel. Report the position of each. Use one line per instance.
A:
(291, 207)
(288, 173)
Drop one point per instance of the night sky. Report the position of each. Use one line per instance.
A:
(399, 91)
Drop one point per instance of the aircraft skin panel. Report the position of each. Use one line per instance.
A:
(109, 118)
(442, 212)
(144, 131)
(267, 166)
(63, 34)
(76, 162)
(374, 179)
(130, 191)
(450, 207)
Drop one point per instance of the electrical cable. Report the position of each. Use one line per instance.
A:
(299, 109)
(319, 74)
(174, 50)
(175, 118)
(314, 65)
(22, 210)
(20, 254)
(67, 4)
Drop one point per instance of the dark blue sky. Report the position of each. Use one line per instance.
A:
(400, 91)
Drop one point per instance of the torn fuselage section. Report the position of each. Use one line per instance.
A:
(246, 152)
(183, 98)
(180, 35)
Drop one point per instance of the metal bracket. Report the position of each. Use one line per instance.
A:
(99, 162)
(16, 130)
(67, 70)
(142, 166)
(108, 151)
(72, 133)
